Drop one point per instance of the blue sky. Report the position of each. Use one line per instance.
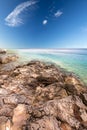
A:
(43, 24)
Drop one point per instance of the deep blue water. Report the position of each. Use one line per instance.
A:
(72, 60)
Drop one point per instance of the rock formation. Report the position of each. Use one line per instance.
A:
(7, 57)
(40, 96)
(2, 51)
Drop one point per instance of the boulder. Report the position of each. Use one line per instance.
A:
(20, 117)
(8, 58)
(2, 51)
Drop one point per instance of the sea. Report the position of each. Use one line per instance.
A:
(71, 60)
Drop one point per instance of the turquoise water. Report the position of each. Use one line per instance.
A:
(71, 60)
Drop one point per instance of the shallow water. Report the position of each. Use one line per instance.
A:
(73, 60)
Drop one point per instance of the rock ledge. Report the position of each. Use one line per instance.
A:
(38, 96)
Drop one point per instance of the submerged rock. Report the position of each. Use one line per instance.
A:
(38, 96)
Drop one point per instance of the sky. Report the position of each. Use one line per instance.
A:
(43, 24)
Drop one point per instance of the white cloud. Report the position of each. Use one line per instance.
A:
(45, 22)
(58, 13)
(14, 19)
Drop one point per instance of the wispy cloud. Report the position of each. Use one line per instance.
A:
(58, 13)
(45, 22)
(14, 19)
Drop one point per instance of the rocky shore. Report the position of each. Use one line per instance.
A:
(40, 96)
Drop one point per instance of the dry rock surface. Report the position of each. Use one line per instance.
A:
(7, 58)
(40, 96)
(2, 51)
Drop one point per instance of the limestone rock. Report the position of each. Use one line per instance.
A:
(7, 58)
(20, 116)
(2, 51)
(46, 123)
(39, 96)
